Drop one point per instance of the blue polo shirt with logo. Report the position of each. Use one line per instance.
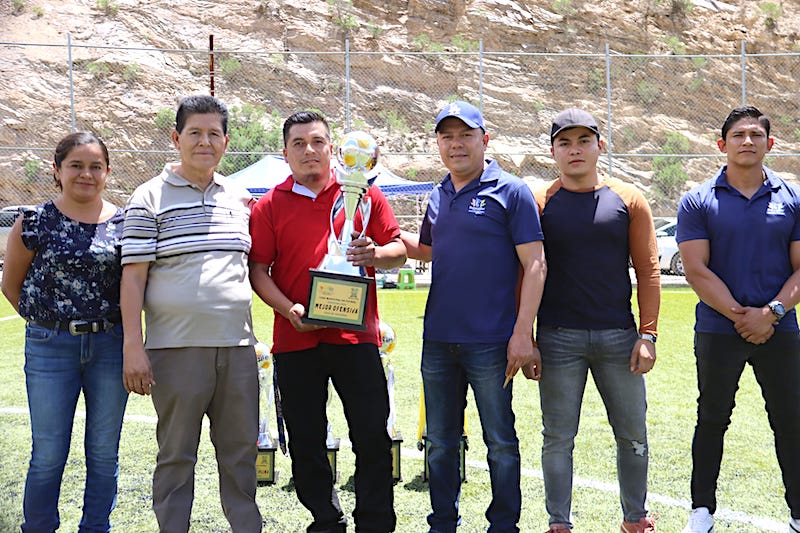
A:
(748, 239)
(473, 234)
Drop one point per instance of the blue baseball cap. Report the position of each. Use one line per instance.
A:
(464, 111)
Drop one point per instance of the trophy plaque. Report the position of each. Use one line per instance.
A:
(338, 291)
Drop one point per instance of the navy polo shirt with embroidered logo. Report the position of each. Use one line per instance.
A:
(473, 234)
(748, 239)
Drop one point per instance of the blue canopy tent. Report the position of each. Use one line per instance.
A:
(272, 170)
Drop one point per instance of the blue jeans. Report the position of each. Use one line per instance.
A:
(720, 362)
(58, 366)
(567, 356)
(447, 369)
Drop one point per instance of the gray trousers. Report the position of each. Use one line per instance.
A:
(221, 383)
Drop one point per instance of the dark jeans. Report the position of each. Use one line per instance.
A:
(357, 374)
(720, 362)
(447, 369)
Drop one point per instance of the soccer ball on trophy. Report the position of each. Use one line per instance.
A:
(358, 153)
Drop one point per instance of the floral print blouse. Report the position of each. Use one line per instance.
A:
(76, 271)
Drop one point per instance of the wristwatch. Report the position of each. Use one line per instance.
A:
(648, 337)
(777, 308)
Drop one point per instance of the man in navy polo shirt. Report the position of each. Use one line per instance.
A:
(481, 229)
(739, 238)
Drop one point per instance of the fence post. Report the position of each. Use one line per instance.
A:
(480, 74)
(71, 83)
(347, 85)
(744, 73)
(609, 146)
(211, 64)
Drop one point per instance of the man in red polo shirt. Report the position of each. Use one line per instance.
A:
(290, 226)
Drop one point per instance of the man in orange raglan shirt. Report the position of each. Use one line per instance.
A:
(591, 225)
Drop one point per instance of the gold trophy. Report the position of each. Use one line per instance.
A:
(338, 291)
(266, 443)
(388, 341)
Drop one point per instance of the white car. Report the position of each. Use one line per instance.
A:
(669, 258)
(7, 217)
(660, 222)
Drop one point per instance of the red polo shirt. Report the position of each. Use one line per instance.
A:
(290, 233)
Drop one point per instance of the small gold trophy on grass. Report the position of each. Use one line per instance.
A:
(388, 341)
(338, 291)
(265, 461)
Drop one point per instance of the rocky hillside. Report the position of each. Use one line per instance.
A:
(120, 93)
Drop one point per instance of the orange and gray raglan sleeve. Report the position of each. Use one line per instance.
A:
(644, 256)
(544, 193)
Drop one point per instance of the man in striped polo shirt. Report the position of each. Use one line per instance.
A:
(184, 251)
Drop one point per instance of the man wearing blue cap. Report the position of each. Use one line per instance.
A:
(481, 229)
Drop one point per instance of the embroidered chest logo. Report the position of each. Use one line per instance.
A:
(477, 206)
(776, 208)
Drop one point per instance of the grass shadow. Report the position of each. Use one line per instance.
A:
(349, 485)
(289, 487)
(417, 484)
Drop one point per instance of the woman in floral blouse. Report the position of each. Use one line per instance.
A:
(61, 273)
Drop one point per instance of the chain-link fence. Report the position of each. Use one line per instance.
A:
(660, 114)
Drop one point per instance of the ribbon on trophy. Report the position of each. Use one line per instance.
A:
(279, 412)
(391, 422)
(330, 440)
(269, 395)
(388, 340)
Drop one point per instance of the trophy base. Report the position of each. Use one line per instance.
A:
(332, 452)
(397, 441)
(265, 465)
(337, 300)
(462, 457)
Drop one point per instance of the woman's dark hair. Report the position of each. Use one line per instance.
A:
(73, 140)
(200, 104)
(65, 145)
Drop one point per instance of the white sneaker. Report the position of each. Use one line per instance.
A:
(794, 525)
(700, 521)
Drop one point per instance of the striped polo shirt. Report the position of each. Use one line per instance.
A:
(196, 242)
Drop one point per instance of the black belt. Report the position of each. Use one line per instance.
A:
(81, 326)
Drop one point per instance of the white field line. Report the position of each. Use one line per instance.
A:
(760, 522)
(3, 319)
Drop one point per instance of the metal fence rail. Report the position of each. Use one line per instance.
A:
(664, 108)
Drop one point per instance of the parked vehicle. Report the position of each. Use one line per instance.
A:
(7, 217)
(660, 222)
(669, 258)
